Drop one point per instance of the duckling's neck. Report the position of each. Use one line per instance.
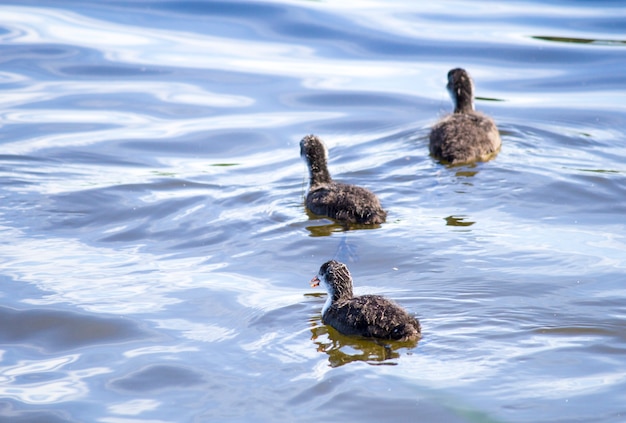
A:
(342, 291)
(337, 293)
(319, 174)
(327, 304)
(463, 103)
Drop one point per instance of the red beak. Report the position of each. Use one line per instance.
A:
(315, 282)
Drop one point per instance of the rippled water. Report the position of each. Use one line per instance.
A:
(156, 254)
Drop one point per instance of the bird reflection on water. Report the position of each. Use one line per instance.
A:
(342, 349)
(326, 226)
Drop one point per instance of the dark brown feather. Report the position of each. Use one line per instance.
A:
(347, 203)
(464, 137)
(372, 316)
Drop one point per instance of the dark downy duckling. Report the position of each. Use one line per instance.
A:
(343, 202)
(466, 135)
(370, 316)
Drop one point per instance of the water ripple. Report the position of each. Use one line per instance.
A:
(59, 383)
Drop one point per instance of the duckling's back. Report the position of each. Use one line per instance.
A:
(464, 137)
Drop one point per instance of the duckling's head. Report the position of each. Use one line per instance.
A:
(461, 89)
(336, 278)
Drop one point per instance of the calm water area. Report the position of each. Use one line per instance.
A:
(155, 251)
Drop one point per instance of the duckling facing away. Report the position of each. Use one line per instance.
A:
(370, 316)
(343, 202)
(466, 135)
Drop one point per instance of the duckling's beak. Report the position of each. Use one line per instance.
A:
(315, 282)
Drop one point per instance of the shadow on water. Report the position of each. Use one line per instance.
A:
(346, 252)
(342, 349)
(52, 330)
(157, 378)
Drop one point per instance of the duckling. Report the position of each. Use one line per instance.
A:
(466, 135)
(371, 316)
(343, 202)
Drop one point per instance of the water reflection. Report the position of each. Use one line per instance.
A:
(47, 381)
(142, 46)
(324, 229)
(466, 173)
(579, 40)
(489, 99)
(134, 407)
(342, 349)
(327, 227)
(458, 221)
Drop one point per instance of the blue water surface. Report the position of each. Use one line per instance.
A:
(155, 251)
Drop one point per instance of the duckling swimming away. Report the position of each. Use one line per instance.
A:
(343, 202)
(370, 316)
(466, 135)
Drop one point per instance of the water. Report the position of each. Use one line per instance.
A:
(156, 254)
